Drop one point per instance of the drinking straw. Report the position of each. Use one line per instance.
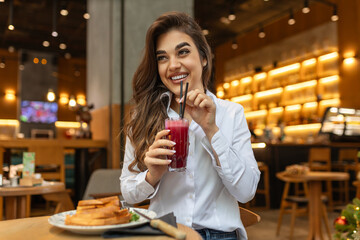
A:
(186, 89)
(181, 93)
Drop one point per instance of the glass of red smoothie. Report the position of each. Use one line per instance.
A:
(179, 133)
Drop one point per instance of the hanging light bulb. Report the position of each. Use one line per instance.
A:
(54, 33)
(11, 26)
(261, 33)
(86, 16)
(306, 8)
(72, 101)
(231, 15)
(291, 20)
(50, 95)
(234, 45)
(334, 17)
(63, 10)
(2, 63)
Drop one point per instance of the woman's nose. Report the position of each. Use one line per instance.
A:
(174, 63)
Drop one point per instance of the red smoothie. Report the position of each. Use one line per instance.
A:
(179, 133)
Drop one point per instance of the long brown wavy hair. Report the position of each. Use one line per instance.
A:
(149, 111)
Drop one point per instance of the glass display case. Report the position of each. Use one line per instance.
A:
(342, 124)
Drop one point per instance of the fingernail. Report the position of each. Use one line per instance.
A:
(168, 130)
(173, 143)
(169, 161)
(173, 151)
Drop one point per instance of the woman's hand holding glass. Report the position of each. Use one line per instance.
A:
(155, 158)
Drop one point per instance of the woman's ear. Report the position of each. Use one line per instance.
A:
(204, 62)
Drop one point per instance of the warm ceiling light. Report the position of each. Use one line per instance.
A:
(306, 8)
(64, 98)
(11, 11)
(67, 56)
(43, 61)
(246, 80)
(234, 45)
(205, 32)
(291, 20)
(62, 46)
(232, 15)
(64, 12)
(334, 17)
(10, 95)
(310, 105)
(2, 0)
(86, 16)
(54, 34)
(220, 94)
(225, 20)
(46, 43)
(329, 79)
(226, 85)
(81, 100)
(276, 110)
(11, 49)
(235, 83)
(293, 107)
(72, 101)
(2, 63)
(349, 60)
(261, 33)
(50, 95)
(36, 60)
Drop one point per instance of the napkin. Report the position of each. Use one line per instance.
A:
(144, 229)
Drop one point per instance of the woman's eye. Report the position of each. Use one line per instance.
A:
(160, 58)
(184, 51)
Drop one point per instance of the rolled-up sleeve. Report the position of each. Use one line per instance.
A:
(238, 168)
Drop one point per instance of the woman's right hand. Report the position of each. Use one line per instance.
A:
(155, 159)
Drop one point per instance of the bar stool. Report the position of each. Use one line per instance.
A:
(264, 169)
(320, 160)
(291, 204)
(347, 162)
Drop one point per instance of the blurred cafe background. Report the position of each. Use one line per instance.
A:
(65, 83)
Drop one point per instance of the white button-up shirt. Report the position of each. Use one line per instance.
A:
(205, 195)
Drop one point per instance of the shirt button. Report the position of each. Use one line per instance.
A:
(190, 196)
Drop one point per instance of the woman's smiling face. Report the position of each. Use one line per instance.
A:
(178, 60)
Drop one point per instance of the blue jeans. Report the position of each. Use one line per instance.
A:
(211, 234)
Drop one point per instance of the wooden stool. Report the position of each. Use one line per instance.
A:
(290, 204)
(264, 169)
(320, 160)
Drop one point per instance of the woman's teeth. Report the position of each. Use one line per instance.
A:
(178, 77)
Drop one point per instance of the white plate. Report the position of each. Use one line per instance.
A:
(58, 220)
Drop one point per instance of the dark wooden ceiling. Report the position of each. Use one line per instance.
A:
(33, 21)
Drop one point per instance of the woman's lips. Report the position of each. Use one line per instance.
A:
(178, 78)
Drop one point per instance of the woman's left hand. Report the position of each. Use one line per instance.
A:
(202, 110)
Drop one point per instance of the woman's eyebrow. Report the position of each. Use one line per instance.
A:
(180, 45)
(160, 52)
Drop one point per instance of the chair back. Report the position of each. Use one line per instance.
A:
(348, 155)
(49, 161)
(103, 182)
(320, 159)
(248, 217)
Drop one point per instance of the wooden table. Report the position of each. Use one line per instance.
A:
(18, 199)
(83, 160)
(38, 228)
(314, 180)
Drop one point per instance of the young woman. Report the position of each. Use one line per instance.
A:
(221, 168)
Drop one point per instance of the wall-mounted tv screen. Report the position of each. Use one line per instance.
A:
(38, 112)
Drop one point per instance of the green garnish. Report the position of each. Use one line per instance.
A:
(134, 217)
